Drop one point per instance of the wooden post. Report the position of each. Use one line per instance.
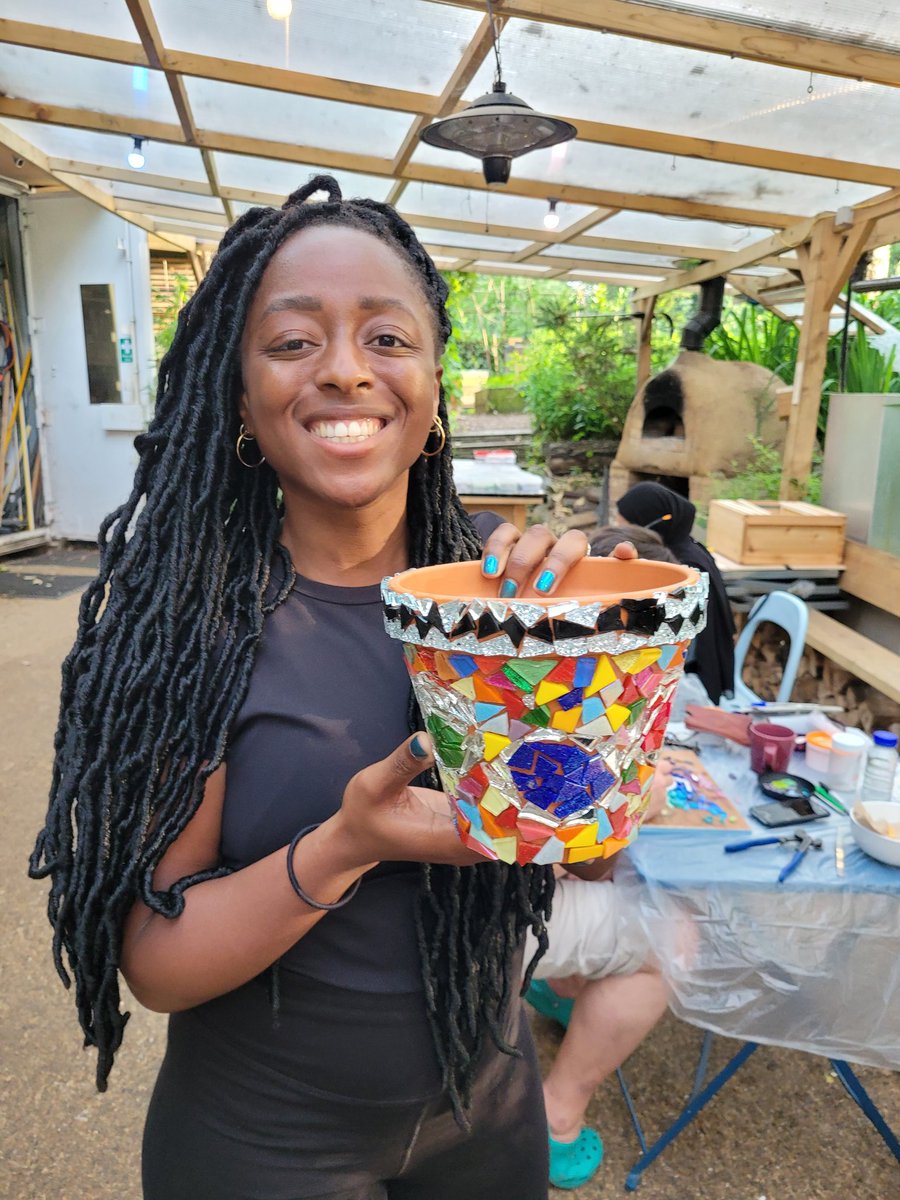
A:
(645, 308)
(826, 262)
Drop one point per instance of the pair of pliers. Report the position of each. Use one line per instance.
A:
(801, 840)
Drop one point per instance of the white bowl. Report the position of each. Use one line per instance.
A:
(885, 849)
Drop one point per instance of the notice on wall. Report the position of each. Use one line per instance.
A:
(126, 350)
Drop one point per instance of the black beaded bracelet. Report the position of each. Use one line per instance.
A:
(295, 883)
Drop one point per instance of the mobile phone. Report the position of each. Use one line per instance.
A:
(789, 812)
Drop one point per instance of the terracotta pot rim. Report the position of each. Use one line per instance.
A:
(414, 582)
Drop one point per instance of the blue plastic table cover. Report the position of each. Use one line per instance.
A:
(812, 963)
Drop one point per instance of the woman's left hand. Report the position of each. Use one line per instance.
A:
(536, 558)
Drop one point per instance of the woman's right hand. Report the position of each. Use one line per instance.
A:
(383, 817)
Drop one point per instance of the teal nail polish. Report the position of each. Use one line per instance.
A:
(545, 581)
(491, 565)
(417, 749)
(508, 590)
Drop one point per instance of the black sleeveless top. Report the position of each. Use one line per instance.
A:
(328, 696)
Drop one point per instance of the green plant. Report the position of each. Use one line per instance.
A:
(752, 334)
(578, 367)
(867, 369)
(170, 304)
(760, 479)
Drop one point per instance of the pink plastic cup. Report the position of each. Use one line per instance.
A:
(771, 747)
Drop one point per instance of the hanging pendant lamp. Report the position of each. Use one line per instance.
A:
(497, 127)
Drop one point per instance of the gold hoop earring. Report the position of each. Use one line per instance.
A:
(244, 436)
(437, 428)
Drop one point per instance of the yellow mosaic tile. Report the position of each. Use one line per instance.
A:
(493, 744)
(465, 687)
(575, 854)
(494, 801)
(603, 675)
(617, 715)
(567, 721)
(546, 691)
(505, 848)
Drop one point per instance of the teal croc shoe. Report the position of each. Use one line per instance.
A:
(573, 1164)
(540, 995)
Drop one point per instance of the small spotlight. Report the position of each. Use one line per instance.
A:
(136, 154)
(279, 10)
(551, 216)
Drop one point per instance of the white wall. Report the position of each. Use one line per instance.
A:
(88, 453)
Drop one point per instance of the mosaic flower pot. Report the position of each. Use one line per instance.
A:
(547, 713)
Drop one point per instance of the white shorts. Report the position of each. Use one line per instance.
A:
(592, 933)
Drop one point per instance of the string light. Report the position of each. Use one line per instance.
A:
(136, 154)
(551, 216)
(279, 10)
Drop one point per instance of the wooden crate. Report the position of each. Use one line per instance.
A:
(776, 532)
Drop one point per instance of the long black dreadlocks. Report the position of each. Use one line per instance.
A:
(165, 646)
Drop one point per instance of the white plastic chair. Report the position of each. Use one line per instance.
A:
(781, 608)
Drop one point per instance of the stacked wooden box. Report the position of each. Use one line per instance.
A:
(776, 532)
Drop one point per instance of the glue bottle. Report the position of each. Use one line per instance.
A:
(881, 765)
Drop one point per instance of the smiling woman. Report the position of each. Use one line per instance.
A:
(239, 818)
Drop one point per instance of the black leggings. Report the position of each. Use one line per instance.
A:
(338, 1098)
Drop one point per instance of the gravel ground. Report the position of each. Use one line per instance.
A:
(782, 1129)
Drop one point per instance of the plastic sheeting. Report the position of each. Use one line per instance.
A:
(811, 964)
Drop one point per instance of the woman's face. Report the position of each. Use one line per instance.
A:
(340, 368)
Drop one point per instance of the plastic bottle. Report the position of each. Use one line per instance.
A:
(881, 765)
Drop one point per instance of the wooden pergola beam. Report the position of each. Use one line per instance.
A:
(371, 165)
(588, 221)
(202, 66)
(426, 107)
(826, 264)
(74, 183)
(473, 56)
(151, 40)
(166, 183)
(786, 239)
(714, 34)
(176, 213)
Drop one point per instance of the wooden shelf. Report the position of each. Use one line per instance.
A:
(855, 653)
